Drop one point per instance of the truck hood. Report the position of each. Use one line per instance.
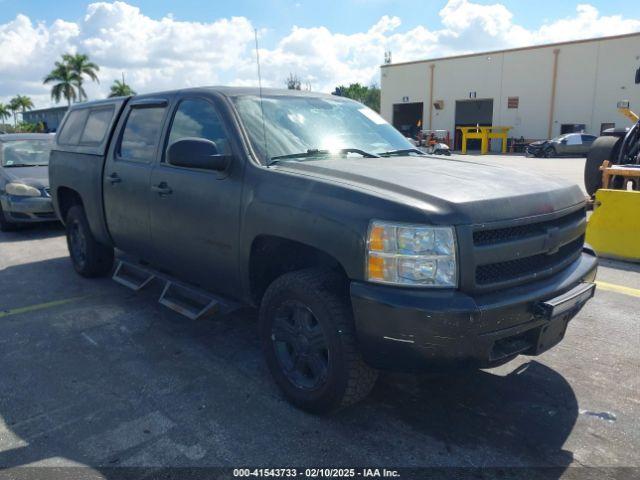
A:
(449, 191)
(34, 176)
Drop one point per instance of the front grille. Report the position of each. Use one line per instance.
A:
(487, 237)
(529, 266)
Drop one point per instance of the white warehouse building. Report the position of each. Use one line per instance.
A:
(540, 91)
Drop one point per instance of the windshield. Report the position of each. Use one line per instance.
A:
(298, 125)
(22, 153)
(561, 137)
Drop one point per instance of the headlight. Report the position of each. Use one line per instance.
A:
(22, 190)
(411, 255)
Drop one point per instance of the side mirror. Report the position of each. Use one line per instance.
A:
(564, 141)
(196, 153)
(638, 76)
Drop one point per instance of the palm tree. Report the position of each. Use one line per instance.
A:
(5, 112)
(14, 107)
(121, 89)
(80, 65)
(23, 103)
(66, 80)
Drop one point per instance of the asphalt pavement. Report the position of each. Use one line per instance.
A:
(93, 374)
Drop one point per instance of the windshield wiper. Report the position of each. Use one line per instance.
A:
(402, 151)
(314, 152)
(26, 165)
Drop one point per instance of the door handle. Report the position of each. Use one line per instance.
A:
(162, 188)
(114, 178)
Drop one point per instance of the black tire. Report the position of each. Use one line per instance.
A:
(550, 152)
(603, 148)
(6, 225)
(314, 376)
(89, 258)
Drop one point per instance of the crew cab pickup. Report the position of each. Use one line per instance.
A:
(360, 252)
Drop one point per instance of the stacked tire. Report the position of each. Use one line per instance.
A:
(603, 148)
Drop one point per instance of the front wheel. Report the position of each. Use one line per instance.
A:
(89, 257)
(6, 225)
(308, 340)
(550, 152)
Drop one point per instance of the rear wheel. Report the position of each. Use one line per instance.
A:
(308, 339)
(6, 225)
(89, 257)
(603, 148)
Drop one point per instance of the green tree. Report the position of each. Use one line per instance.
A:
(121, 89)
(65, 80)
(80, 65)
(5, 112)
(370, 95)
(293, 82)
(24, 127)
(22, 103)
(14, 107)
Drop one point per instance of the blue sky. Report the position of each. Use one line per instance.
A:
(345, 16)
(162, 44)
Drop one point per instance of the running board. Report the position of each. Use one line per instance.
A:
(187, 300)
(132, 276)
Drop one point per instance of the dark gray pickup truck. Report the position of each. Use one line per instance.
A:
(360, 252)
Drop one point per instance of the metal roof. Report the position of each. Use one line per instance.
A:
(48, 109)
(508, 50)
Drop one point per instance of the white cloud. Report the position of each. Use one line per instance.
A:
(168, 53)
(588, 22)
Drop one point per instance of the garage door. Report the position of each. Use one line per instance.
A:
(470, 113)
(407, 117)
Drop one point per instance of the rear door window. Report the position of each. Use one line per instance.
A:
(72, 128)
(141, 134)
(97, 125)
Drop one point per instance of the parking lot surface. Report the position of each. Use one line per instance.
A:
(94, 374)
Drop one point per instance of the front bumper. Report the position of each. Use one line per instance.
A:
(534, 150)
(412, 330)
(27, 209)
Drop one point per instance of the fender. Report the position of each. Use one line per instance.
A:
(313, 212)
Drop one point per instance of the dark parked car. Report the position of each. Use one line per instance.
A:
(567, 145)
(361, 252)
(24, 179)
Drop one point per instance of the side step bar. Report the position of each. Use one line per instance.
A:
(189, 302)
(180, 297)
(132, 276)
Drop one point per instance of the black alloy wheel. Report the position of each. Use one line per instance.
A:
(89, 257)
(309, 341)
(300, 345)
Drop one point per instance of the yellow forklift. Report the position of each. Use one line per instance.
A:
(612, 175)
